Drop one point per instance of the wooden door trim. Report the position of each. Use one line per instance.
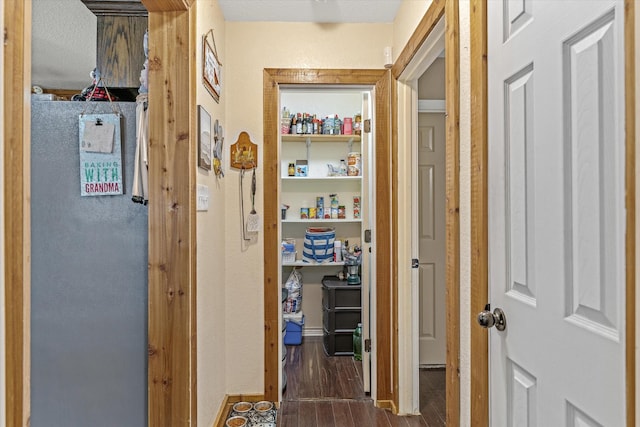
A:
(380, 79)
(449, 9)
(17, 233)
(630, 204)
(172, 330)
(479, 211)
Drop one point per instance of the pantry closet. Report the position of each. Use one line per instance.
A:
(327, 329)
(325, 195)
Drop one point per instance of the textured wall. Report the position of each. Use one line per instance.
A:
(63, 45)
(213, 278)
(88, 282)
(251, 47)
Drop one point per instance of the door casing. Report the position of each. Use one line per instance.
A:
(421, 48)
(173, 401)
(382, 336)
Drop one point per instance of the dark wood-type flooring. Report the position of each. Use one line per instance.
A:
(327, 391)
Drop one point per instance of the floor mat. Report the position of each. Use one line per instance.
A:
(259, 414)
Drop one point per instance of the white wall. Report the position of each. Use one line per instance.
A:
(63, 44)
(212, 273)
(407, 19)
(251, 47)
(465, 215)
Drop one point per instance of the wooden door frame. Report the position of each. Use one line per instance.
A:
(172, 314)
(380, 80)
(172, 256)
(479, 211)
(17, 224)
(447, 10)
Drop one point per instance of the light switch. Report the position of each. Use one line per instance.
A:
(202, 197)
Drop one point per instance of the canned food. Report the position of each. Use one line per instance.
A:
(313, 213)
(353, 164)
(304, 213)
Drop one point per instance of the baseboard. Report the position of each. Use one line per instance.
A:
(312, 332)
(227, 404)
(387, 404)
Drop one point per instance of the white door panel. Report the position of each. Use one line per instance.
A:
(556, 212)
(431, 230)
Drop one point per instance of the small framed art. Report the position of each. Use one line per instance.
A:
(204, 139)
(211, 67)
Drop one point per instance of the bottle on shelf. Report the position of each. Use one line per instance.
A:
(343, 168)
(357, 342)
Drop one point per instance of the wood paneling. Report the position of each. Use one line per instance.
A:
(380, 79)
(171, 220)
(479, 211)
(630, 204)
(120, 53)
(16, 172)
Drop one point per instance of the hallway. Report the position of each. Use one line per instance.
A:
(327, 391)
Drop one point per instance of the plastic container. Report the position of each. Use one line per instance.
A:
(295, 322)
(357, 342)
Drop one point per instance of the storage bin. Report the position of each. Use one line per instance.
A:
(318, 244)
(339, 343)
(340, 318)
(293, 334)
(337, 294)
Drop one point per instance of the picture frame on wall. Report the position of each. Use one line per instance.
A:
(211, 67)
(204, 139)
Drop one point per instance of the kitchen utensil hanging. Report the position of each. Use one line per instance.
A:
(253, 220)
(244, 155)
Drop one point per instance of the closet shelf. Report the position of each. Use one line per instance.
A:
(319, 138)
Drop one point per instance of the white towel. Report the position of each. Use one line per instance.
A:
(140, 190)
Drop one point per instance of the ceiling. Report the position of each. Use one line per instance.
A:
(319, 11)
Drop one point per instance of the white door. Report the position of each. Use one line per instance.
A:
(431, 240)
(556, 212)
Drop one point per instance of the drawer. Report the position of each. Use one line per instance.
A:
(341, 318)
(336, 293)
(338, 343)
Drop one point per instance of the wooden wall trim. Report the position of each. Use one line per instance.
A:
(272, 305)
(193, 77)
(17, 238)
(272, 78)
(452, 99)
(420, 34)
(386, 303)
(479, 210)
(630, 204)
(171, 221)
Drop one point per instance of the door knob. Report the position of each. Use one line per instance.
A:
(487, 319)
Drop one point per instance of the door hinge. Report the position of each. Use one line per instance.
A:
(367, 345)
(367, 126)
(415, 263)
